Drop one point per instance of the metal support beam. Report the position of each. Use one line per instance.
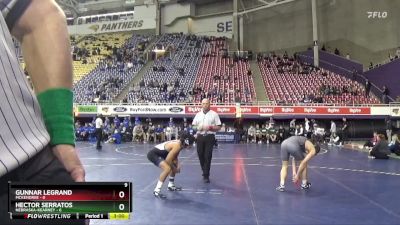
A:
(267, 5)
(235, 24)
(72, 5)
(315, 32)
(158, 17)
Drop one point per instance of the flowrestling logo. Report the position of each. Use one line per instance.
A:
(377, 15)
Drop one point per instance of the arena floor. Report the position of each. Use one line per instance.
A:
(347, 187)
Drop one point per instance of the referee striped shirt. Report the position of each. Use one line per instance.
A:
(22, 130)
(210, 118)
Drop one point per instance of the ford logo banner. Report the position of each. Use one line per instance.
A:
(120, 109)
(176, 109)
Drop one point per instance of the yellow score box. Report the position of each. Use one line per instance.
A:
(119, 216)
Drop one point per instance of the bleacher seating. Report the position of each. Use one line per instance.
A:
(185, 55)
(201, 61)
(84, 59)
(111, 75)
(285, 83)
(225, 80)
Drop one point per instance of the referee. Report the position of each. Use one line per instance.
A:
(207, 123)
(99, 131)
(37, 128)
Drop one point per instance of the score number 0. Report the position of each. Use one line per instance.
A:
(121, 195)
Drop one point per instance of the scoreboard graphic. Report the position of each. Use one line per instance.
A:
(89, 200)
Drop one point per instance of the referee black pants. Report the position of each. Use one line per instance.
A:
(42, 168)
(99, 135)
(205, 144)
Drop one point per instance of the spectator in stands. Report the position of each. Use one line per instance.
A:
(371, 66)
(264, 134)
(394, 145)
(281, 134)
(299, 130)
(292, 123)
(171, 132)
(258, 134)
(337, 52)
(251, 134)
(381, 149)
(371, 143)
(174, 132)
(151, 135)
(333, 128)
(334, 140)
(239, 129)
(190, 130)
(354, 74)
(367, 87)
(391, 58)
(389, 127)
(272, 133)
(160, 135)
(249, 73)
(138, 133)
(385, 95)
(398, 52)
(84, 132)
(117, 122)
(142, 83)
(307, 128)
(345, 130)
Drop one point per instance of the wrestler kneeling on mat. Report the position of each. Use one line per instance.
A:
(302, 150)
(165, 156)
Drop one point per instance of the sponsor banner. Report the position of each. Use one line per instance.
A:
(157, 109)
(104, 110)
(266, 111)
(323, 110)
(192, 109)
(249, 110)
(113, 26)
(113, 110)
(356, 110)
(394, 111)
(383, 110)
(231, 110)
(140, 110)
(222, 110)
(227, 137)
(86, 109)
